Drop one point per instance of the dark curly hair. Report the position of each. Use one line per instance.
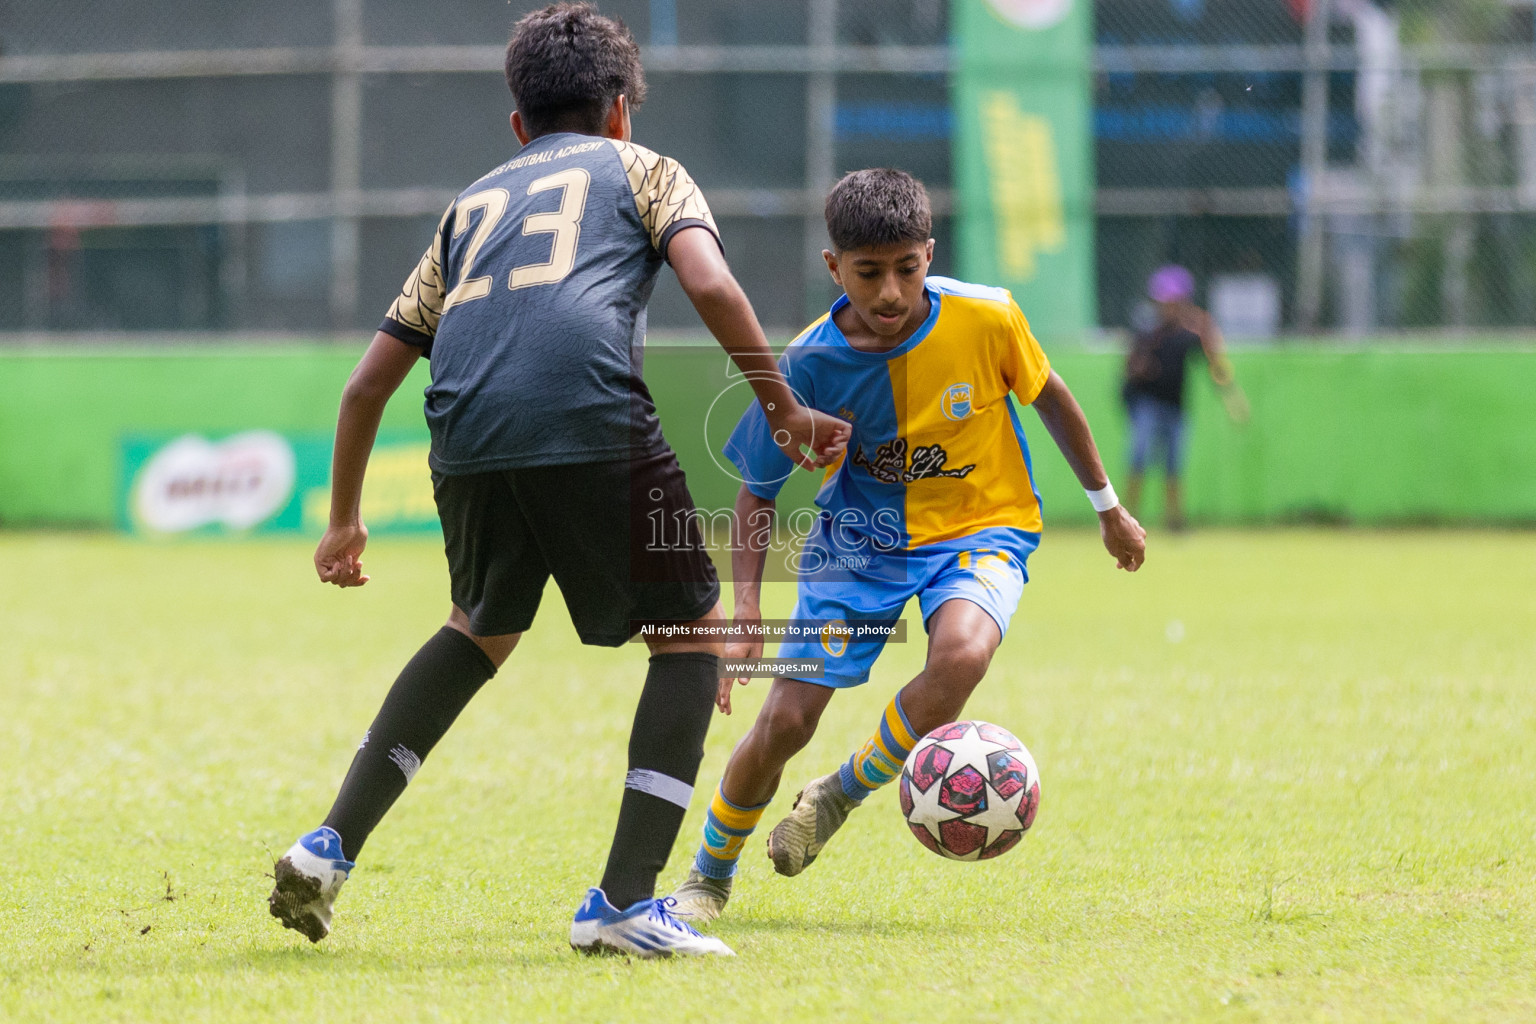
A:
(877, 207)
(565, 66)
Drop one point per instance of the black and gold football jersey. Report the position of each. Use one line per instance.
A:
(530, 304)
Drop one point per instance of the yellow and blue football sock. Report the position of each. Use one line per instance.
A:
(726, 828)
(880, 759)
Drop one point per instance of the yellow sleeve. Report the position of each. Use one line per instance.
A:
(1024, 364)
(665, 196)
(420, 303)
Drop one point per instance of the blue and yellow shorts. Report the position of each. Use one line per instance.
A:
(839, 586)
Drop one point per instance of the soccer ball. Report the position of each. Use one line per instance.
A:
(969, 790)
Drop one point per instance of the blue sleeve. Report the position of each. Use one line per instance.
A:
(763, 468)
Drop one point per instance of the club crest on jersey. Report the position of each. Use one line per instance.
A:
(957, 402)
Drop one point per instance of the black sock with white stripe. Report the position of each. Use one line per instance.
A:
(666, 745)
(432, 689)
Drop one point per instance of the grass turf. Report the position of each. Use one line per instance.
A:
(1287, 776)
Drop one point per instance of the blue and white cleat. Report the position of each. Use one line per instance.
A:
(646, 930)
(308, 878)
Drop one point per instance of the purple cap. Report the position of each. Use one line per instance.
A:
(1171, 284)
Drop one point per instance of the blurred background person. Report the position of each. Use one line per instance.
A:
(1154, 384)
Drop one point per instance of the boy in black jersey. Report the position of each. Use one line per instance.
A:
(547, 457)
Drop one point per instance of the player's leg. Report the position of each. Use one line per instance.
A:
(496, 586)
(784, 725)
(821, 808)
(966, 605)
(1143, 427)
(433, 688)
(1173, 501)
(1133, 487)
(666, 745)
(873, 596)
(426, 698)
(1174, 439)
(962, 638)
(496, 578)
(624, 545)
(829, 598)
(824, 804)
(966, 608)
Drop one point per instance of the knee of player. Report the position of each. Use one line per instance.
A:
(963, 662)
(789, 727)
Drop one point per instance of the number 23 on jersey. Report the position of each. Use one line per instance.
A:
(564, 223)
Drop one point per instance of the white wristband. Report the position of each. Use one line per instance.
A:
(1103, 499)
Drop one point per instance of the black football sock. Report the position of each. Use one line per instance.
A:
(666, 745)
(432, 689)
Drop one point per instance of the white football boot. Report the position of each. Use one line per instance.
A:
(645, 930)
(309, 876)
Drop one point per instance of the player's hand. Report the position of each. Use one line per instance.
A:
(1123, 537)
(339, 558)
(800, 428)
(748, 646)
(1236, 403)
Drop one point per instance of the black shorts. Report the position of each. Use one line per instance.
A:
(620, 538)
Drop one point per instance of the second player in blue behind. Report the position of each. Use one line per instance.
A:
(934, 499)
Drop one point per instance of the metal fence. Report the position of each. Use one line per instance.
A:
(1335, 165)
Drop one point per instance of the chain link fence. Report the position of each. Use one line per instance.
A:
(1336, 166)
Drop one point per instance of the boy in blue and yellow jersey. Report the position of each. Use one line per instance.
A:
(934, 500)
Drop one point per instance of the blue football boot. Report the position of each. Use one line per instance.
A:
(646, 930)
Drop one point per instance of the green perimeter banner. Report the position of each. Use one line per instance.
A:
(1024, 158)
(264, 481)
(175, 440)
(172, 442)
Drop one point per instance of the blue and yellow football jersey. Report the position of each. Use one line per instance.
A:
(937, 451)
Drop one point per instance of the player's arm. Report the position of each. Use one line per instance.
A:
(1220, 367)
(378, 375)
(1063, 418)
(701, 269)
(753, 526)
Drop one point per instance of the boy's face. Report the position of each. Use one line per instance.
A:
(884, 283)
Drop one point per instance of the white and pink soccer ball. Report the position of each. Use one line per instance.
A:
(969, 790)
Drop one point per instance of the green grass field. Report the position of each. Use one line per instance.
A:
(1288, 776)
